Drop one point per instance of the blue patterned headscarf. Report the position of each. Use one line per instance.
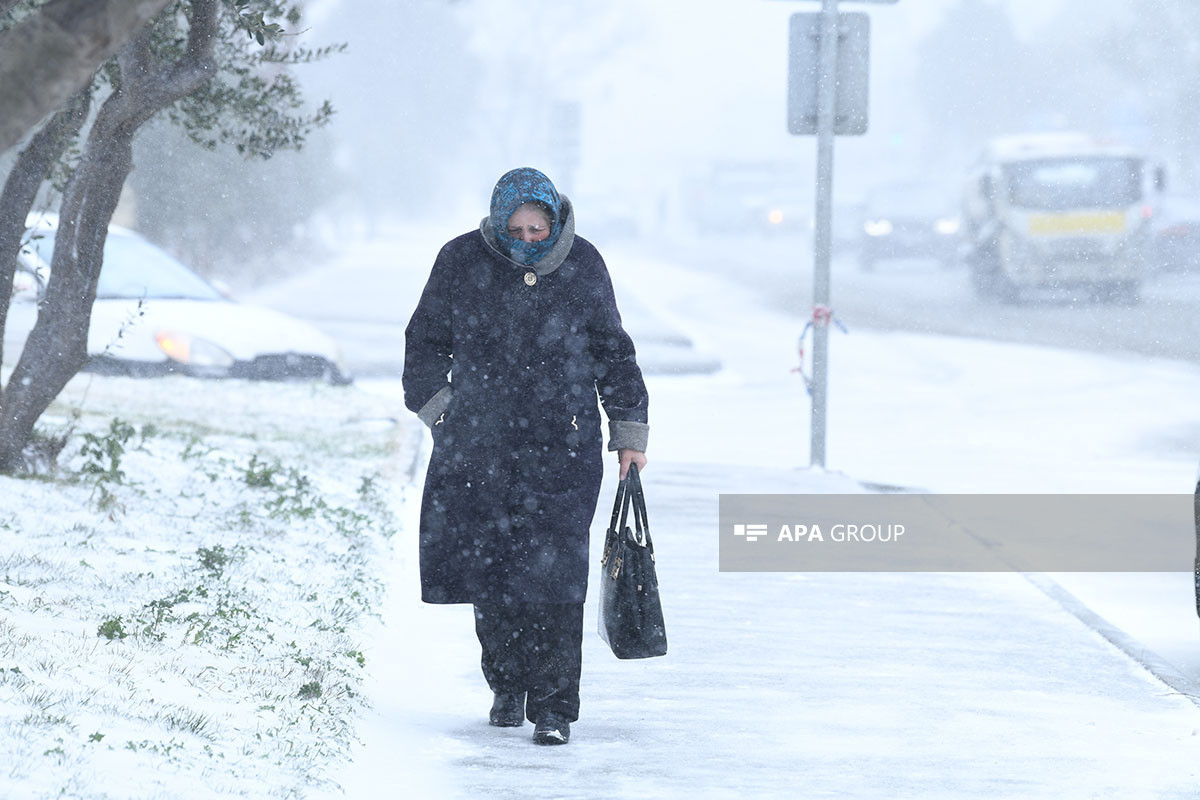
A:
(513, 190)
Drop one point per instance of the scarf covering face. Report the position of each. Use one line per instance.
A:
(513, 190)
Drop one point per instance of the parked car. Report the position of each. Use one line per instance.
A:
(1175, 231)
(908, 220)
(154, 316)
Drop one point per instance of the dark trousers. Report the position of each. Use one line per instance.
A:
(534, 649)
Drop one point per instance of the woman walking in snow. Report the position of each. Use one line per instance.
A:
(515, 336)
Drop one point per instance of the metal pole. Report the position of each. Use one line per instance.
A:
(826, 108)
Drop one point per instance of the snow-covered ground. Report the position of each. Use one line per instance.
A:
(809, 684)
(182, 599)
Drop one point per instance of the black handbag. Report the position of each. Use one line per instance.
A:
(631, 617)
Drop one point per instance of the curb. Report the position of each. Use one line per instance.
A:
(1156, 665)
(1161, 669)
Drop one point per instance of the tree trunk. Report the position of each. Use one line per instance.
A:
(57, 346)
(56, 51)
(20, 190)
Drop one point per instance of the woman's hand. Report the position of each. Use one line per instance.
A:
(631, 457)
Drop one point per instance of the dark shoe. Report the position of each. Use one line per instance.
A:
(552, 729)
(508, 710)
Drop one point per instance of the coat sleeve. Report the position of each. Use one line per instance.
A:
(428, 347)
(618, 376)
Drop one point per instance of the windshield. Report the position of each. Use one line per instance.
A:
(134, 268)
(1059, 184)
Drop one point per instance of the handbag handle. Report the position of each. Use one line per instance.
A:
(619, 513)
(641, 522)
(629, 493)
(620, 505)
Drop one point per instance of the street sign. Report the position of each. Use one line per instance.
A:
(851, 74)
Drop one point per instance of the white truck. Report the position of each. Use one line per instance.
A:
(1059, 212)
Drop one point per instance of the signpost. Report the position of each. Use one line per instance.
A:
(841, 81)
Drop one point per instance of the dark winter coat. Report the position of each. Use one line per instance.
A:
(515, 472)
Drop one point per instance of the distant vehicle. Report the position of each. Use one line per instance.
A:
(749, 197)
(1059, 211)
(1175, 231)
(908, 220)
(154, 316)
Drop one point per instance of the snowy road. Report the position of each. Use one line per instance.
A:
(920, 296)
(358, 304)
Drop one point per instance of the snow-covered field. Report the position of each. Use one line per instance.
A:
(183, 598)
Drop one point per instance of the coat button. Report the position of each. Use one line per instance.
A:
(530, 278)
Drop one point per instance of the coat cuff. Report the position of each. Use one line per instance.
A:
(626, 435)
(430, 412)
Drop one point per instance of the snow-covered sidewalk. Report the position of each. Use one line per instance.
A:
(859, 685)
(810, 685)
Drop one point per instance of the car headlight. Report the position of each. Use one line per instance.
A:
(947, 226)
(878, 227)
(775, 216)
(192, 350)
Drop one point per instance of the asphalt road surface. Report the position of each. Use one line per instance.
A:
(921, 296)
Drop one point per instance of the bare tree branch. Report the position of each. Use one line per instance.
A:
(201, 31)
(148, 86)
(55, 52)
(197, 65)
